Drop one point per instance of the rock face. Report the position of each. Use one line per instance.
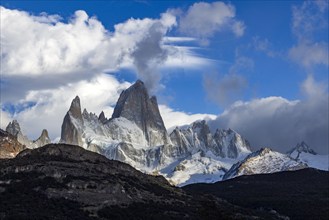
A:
(301, 148)
(264, 160)
(135, 105)
(206, 155)
(72, 124)
(9, 146)
(61, 181)
(223, 143)
(14, 129)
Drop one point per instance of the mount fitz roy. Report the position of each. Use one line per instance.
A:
(136, 134)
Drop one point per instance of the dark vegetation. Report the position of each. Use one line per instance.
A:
(67, 182)
(302, 194)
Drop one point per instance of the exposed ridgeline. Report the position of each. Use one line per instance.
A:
(14, 129)
(136, 134)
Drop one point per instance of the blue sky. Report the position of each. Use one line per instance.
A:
(211, 58)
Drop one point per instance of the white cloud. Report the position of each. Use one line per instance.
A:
(174, 118)
(312, 89)
(178, 39)
(5, 118)
(52, 53)
(309, 54)
(37, 45)
(50, 46)
(203, 19)
(54, 60)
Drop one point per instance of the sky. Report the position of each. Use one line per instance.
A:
(258, 67)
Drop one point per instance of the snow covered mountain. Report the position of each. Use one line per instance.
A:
(211, 155)
(264, 160)
(14, 129)
(303, 153)
(136, 134)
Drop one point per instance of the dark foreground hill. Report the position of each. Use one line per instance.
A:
(301, 194)
(67, 182)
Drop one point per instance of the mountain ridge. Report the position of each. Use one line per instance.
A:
(61, 181)
(136, 134)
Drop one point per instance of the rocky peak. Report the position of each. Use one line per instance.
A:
(72, 124)
(303, 147)
(75, 108)
(231, 142)
(13, 128)
(43, 139)
(135, 105)
(202, 130)
(201, 126)
(132, 103)
(102, 118)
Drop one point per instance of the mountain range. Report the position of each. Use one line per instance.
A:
(136, 134)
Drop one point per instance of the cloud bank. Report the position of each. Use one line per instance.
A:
(82, 47)
(280, 123)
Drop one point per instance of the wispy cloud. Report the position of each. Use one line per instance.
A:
(224, 89)
(265, 46)
(203, 20)
(308, 20)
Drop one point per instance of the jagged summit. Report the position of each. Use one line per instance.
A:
(135, 105)
(136, 134)
(102, 117)
(305, 154)
(70, 132)
(302, 147)
(13, 128)
(43, 139)
(75, 108)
